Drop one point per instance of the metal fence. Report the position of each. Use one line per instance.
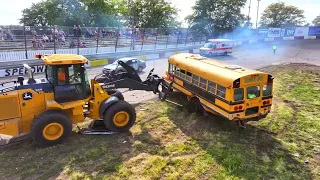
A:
(24, 41)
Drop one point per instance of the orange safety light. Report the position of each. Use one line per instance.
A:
(38, 56)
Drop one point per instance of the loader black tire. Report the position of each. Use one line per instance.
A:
(120, 117)
(50, 128)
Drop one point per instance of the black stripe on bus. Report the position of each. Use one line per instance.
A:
(266, 106)
(196, 89)
(206, 96)
(267, 97)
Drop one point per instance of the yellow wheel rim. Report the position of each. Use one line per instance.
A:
(53, 131)
(121, 119)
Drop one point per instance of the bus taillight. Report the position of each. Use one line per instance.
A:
(236, 108)
(266, 102)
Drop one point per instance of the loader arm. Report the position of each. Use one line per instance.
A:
(131, 80)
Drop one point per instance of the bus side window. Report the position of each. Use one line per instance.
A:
(182, 74)
(212, 87)
(195, 80)
(177, 71)
(221, 91)
(203, 83)
(171, 67)
(189, 76)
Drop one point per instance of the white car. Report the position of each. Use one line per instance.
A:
(137, 64)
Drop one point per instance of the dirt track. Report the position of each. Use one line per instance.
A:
(253, 56)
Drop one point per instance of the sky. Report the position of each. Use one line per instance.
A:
(10, 10)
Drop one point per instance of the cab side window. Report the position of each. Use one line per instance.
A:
(75, 74)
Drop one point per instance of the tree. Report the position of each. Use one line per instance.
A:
(316, 21)
(153, 14)
(73, 12)
(216, 16)
(280, 14)
(55, 12)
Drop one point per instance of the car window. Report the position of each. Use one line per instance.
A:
(129, 62)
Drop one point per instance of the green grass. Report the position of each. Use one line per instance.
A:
(167, 143)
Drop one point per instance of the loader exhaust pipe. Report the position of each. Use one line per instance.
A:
(30, 74)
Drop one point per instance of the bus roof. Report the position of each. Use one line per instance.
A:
(214, 70)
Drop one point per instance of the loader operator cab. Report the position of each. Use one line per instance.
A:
(69, 80)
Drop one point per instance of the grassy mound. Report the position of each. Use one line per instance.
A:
(167, 143)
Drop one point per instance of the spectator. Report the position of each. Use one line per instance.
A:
(79, 31)
(61, 33)
(72, 44)
(51, 38)
(1, 34)
(74, 30)
(34, 32)
(9, 35)
(45, 38)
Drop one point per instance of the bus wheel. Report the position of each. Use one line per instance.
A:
(225, 53)
(195, 105)
(210, 54)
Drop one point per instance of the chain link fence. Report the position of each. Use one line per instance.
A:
(91, 40)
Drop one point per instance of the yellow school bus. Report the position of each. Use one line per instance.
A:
(232, 91)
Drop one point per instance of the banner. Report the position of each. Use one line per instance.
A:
(314, 31)
(287, 32)
(21, 71)
(274, 32)
(263, 33)
(301, 31)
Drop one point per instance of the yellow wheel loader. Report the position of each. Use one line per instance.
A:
(47, 108)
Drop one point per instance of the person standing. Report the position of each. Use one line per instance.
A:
(274, 49)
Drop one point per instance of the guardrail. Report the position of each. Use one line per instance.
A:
(15, 68)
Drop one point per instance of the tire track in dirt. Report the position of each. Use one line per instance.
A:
(293, 121)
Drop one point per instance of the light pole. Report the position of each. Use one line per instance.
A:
(257, 14)
(24, 34)
(132, 23)
(249, 13)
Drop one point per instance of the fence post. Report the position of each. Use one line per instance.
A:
(98, 41)
(143, 36)
(25, 41)
(178, 37)
(155, 43)
(167, 39)
(185, 44)
(117, 37)
(54, 39)
(78, 39)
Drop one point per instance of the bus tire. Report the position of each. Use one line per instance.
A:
(225, 53)
(210, 54)
(195, 105)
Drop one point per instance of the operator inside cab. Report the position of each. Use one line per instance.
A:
(61, 76)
